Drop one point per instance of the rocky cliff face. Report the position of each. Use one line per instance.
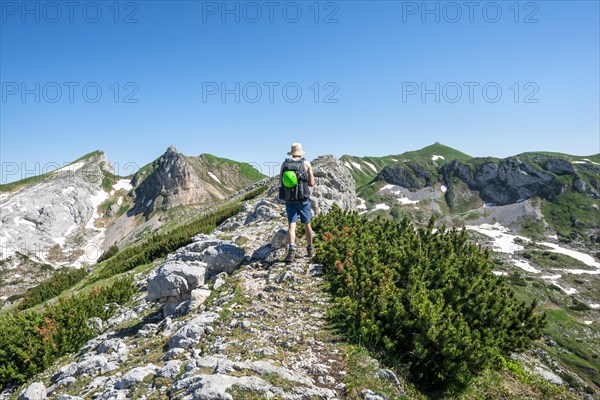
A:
(408, 175)
(508, 181)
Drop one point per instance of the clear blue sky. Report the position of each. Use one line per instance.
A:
(375, 58)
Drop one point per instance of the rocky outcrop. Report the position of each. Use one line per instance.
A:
(172, 182)
(559, 166)
(409, 175)
(504, 182)
(333, 185)
(179, 283)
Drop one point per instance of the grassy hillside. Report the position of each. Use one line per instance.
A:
(230, 175)
(364, 169)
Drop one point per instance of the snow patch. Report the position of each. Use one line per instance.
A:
(578, 271)
(123, 184)
(584, 258)
(371, 165)
(405, 200)
(594, 306)
(120, 200)
(503, 241)
(357, 165)
(148, 203)
(567, 291)
(500, 273)
(347, 164)
(525, 266)
(381, 206)
(214, 177)
(436, 157)
(444, 189)
(551, 277)
(362, 204)
(590, 161)
(69, 168)
(387, 187)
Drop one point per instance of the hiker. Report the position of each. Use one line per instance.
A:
(296, 177)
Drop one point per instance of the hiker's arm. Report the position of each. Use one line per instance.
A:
(280, 174)
(311, 177)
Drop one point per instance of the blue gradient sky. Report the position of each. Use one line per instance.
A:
(372, 52)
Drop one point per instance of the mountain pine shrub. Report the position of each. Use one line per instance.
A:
(52, 287)
(111, 251)
(31, 341)
(427, 298)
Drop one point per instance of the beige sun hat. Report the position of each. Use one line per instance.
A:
(296, 150)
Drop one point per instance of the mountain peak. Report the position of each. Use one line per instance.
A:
(171, 149)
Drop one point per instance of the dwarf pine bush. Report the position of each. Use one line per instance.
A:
(428, 299)
(52, 287)
(31, 341)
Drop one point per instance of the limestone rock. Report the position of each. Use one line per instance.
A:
(173, 279)
(333, 185)
(35, 391)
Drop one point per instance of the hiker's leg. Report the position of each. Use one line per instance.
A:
(291, 210)
(292, 233)
(309, 233)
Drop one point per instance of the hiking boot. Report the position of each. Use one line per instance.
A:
(291, 256)
(310, 252)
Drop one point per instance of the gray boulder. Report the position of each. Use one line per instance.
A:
(264, 211)
(135, 376)
(224, 257)
(218, 255)
(35, 391)
(175, 278)
(66, 371)
(172, 369)
(193, 330)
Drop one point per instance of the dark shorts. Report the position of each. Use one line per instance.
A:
(293, 208)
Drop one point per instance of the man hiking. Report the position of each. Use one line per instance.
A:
(295, 178)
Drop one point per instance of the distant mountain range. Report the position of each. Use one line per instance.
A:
(561, 191)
